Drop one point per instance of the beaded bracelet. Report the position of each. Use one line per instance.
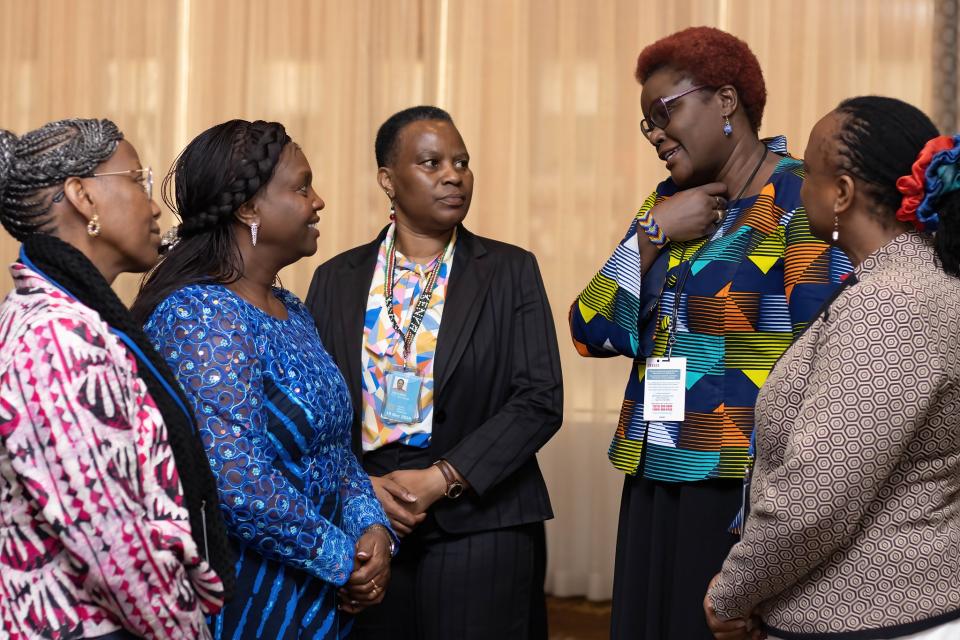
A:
(651, 228)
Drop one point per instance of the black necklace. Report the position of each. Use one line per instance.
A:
(753, 175)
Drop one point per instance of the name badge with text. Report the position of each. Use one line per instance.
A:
(401, 401)
(665, 390)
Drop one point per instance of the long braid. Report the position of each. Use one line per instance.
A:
(219, 171)
(257, 148)
(72, 270)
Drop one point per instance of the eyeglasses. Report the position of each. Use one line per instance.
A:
(146, 182)
(659, 116)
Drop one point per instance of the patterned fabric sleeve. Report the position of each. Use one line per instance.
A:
(854, 430)
(88, 447)
(605, 316)
(811, 271)
(214, 356)
(361, 509)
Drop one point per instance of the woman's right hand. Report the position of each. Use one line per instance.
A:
(691, 213)
(395, 498)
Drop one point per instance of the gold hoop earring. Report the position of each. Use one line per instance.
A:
(93, 227)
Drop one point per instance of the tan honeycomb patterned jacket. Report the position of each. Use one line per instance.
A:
(855, 521)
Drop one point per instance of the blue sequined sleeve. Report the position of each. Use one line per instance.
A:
(214, 356)
(361, 509)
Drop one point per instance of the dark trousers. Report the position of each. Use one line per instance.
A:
(442, 587)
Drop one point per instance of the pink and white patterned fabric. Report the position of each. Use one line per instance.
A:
(94, 536)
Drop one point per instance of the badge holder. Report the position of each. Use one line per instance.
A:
(401, 396)
(665, 388)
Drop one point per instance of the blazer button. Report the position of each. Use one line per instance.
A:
(440, 416)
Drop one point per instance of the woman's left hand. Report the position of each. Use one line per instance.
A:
(733, 629)
(427, 484)
(371, 573)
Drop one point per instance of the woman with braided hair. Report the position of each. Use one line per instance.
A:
(854, 522)
(274, 410)
(108, 519)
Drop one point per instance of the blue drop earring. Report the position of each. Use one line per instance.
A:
(727, 127)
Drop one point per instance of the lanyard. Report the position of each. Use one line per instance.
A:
(672, 337)
(678, 291)
(422, 302)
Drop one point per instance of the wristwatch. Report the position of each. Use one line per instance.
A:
(454, 486)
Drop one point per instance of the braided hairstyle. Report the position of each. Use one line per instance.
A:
(220, 170)
(31, 169)
(879, 140)
(33, 166)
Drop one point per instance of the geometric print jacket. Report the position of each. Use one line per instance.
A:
(854, 525)
(744, 294)
(94, 536)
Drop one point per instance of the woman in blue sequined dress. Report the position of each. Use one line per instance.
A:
(273, 410)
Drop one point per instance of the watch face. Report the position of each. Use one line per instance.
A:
(454, 490)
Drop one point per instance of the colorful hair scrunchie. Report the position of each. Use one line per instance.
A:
(934, 175)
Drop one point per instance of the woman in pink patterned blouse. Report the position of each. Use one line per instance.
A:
(98, 537)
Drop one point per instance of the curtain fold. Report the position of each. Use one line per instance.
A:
(542, 90)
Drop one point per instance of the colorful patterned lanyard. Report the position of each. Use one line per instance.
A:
(422, 302)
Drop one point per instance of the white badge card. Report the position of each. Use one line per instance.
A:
(401, 399)
(665, 389)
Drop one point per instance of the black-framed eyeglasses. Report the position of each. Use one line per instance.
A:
(659, 116)
(146, 182)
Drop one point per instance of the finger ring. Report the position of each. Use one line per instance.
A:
(719, 203)
(719, 215)
(354, 603)
(376, 587)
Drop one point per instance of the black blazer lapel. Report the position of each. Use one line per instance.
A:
(466, 291)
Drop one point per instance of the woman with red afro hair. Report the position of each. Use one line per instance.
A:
(718, 272)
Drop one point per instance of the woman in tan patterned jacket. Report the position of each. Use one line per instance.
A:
(854, 523)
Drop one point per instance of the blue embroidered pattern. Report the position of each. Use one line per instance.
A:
(274, 414)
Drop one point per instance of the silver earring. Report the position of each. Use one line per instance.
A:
(727, 127)
(254, 227)
(836, 228)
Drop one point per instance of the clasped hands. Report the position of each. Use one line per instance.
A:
(405, 496)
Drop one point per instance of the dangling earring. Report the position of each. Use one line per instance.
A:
(93, 227)
(254, 227)
(393, 210)
(727, 127)
(836, 228)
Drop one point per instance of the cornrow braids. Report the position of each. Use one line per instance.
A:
(33, 165)
(879, 139)
(220, 170)
(256, 151)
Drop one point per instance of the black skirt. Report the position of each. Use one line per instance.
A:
(672, 539)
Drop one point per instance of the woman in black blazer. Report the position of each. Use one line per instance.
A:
(456, 384)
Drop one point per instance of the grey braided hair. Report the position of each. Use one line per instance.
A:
(33, 164)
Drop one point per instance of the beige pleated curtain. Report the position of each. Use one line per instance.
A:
(542, 91)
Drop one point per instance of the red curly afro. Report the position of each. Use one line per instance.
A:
(712, 57)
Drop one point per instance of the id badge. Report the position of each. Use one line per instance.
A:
(401, 399)
(665, 390)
